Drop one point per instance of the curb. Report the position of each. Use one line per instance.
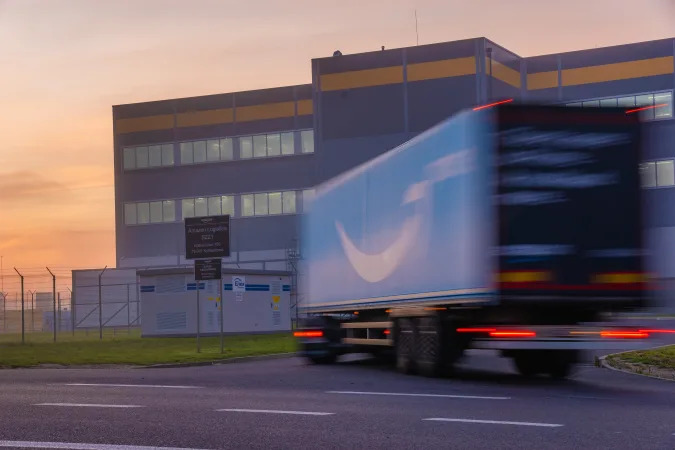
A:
(217, 362)
(604, 363)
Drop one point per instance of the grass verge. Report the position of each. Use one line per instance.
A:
(131, 349)
(659, 362)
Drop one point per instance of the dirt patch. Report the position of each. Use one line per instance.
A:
(616, 362)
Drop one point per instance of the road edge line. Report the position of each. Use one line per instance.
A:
(217, 362)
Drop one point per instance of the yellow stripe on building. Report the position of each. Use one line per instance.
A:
(445, 68)
(618, 71)
(542, 80)
(362, 78)
(160, 122)
(208, 117)
(305, 107)
(504, 73)
(265, 111)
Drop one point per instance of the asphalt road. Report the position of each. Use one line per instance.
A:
(286, 403)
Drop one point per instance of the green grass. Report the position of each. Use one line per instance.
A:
(131, 349)
(663, 358)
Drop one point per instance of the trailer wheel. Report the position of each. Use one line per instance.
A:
(559, 364)
(430, 354)
(328, 358)
(404, 342)
(527, 364)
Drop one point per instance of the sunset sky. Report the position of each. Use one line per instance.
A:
(66, 62)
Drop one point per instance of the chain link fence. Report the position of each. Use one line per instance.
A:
(42, 305)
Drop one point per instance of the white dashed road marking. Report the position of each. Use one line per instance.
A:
(133, 385)
(88, 405)
(80, 446)
(274, 411)
(496, 422)
(473, 397)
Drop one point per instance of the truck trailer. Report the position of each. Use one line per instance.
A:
(514, 227)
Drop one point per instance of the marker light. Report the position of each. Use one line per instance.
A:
(624, 334)
(308, 334)
(644, 108)
(513, 334)
(475, 330)
(492, 104)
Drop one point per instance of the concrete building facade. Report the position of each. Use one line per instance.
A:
(257, 155)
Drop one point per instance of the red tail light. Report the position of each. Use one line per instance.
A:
(308, 334)
(624, 334)
(657, 331)
(387, 332)
(513, 334)
(475, 330)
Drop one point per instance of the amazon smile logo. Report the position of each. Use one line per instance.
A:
(375, 267)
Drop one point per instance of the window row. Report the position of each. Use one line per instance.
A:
(149, 212)
(210, 150)
(252, 205)
(208, 206)
(213, 150)
(268, 203)
(661, 104)
(658, 173)
(148, 156)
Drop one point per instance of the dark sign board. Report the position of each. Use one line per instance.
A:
(207, 237)
(208, 269)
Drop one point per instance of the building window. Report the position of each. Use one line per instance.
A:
(130, 216)
(186, 155)
(664, 105)
(287, 144)
(648, 174)
(246, 147)
(208, 206)
(659, 105)
(247, 209)
(129, 158)
(266, 145)
(665, 173)
(148, 156)
(268, 203)
(307, 140)
(149, 212)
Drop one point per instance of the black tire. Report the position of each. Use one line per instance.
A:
(559, 364)
(430, 347)
(527, 365)
(328, 358)
(405, 342)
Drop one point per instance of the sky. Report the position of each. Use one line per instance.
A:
(64, 63)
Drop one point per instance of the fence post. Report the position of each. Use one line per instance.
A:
(128, 309)
(4, 311)
(23, 311)
(72, 310)
(53, 301)
(100, 306)
(58, 309)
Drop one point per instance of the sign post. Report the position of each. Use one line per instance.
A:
(208, 237)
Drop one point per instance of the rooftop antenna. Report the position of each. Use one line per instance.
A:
(417, 34)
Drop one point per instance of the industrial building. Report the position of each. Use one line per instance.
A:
(257, 155)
